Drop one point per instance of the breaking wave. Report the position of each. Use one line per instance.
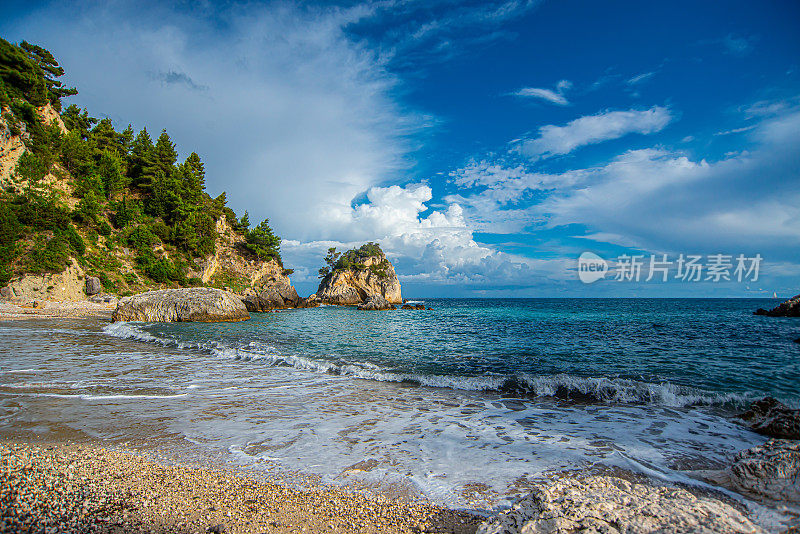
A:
(570, 388)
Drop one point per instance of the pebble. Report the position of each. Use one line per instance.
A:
(70, 489)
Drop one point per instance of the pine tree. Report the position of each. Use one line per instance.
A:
(52, 70)
(166, 155)
(142, 160)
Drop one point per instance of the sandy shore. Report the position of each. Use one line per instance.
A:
(78, 488)
(49, 308)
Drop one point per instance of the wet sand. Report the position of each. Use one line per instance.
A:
(68, 487)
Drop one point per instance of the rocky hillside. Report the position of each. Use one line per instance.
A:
(354, 276)
(80, 200)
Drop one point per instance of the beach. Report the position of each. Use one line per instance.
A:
(68, 487)
(55, 309)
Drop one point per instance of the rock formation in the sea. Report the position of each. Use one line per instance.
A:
(790, 308)
(772, 418)
(613, 505)
(771, 470)
(412, 307)
(354, 276)
(202, 304)
(376, 302)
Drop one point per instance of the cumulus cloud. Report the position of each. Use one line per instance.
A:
(436, 249)
(553, 96)
(557, 140)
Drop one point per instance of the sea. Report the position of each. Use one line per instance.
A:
(466, 404)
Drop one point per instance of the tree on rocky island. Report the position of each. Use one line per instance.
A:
(355, 259)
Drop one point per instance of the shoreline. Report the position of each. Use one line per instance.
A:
(51, 309)
(80, 487)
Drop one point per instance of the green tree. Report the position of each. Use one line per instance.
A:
(263, 243)
(110, 170)
(21, 76)
(142, 160)
(166, 155)
(52, 70)
(77, 120)
(88, 208)
(331, 260)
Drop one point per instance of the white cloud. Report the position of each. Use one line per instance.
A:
(438, 248)
(592, 129)
(736, 130)
(640, 78)
(659, 200)
(554, 97)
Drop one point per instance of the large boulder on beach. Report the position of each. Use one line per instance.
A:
(771, 470)
(772, 418)
(790, 308)
(202, 304)
(7, 293)
(376, 302)
(93, 286)
(605, 504)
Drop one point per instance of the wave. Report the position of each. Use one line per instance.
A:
(89, 397)
(565, 387)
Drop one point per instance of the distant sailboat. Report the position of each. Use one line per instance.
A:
(774, 295)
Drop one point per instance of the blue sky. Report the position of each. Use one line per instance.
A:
(485, 145)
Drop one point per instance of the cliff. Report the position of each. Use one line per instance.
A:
(264, 285)
(88, 209)
(353, 277)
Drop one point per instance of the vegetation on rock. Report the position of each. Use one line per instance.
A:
(354, 259)
(97, 194)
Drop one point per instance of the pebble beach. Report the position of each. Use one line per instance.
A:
(77, 488)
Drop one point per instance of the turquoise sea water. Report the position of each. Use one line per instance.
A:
(675, 352)
(476, 393)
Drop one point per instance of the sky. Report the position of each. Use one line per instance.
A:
(485, 145)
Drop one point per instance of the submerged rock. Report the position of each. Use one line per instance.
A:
(604, 504)
(201, 304)
(772, 418)
(376, 302)
(93, 286)
(790, 308)
(413, 307)
(771, 470)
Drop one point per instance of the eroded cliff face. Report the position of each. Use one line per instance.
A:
(264, 285)
(354, 286)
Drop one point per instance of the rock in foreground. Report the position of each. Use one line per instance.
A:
(612, 505)
(201, 304)
(790, 308)
(376, 302)
(772, 418)
(771, 470)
